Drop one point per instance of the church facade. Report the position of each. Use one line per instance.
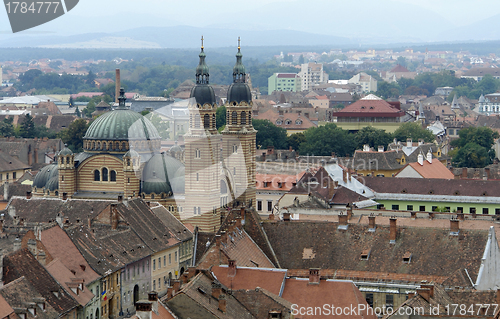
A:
(121, 157)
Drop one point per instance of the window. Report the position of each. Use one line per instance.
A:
(434, 208)
(154, 284)
(259, 205)
(169, 259)
(97, 175)
(472, 210)
(159, 263)
(460, 209)
(235, 148)
(164, 261)
(197, 153)
(14, 175)
(395, 207)
(243, 118)
(497, 211)
(234, 118)
(175, 256)
(485, 211)
(112, 176)
(197, 121)
(269, 205)
(154, 264)
(409, 207)
(389, 300)
(104, 174)
(369, 299)
(206, 121)
(422, 208)
(159, 283)
(447, 209)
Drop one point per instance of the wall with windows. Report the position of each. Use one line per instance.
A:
(135, 283)
(164, 267)
(467, 208)
(101, 172)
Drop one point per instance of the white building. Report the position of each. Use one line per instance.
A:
(367, 82)
(312, 74)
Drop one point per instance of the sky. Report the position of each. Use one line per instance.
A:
(314, 16)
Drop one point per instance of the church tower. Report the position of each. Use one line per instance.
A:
(202, 155)
(239, 137)
(66, 167)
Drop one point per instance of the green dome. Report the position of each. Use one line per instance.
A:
(203, 94)
(45, 174)
(66, 151)
(162, 174)
(131, 153)
(52, 184)
(121, 124)
(239, 92)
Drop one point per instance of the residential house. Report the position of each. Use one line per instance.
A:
(367, 82)
(478, 73)
(370, 111)
(271, 187)
(397, 73)
(31, 151)
(291, 122)
(378, 163)
(425, 169)
(312, 74)
(284, 82)
(11, 168)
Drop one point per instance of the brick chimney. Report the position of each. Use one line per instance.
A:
(120, 198)
(191, 272)
(216, 289)
(454, 227)
(344, 175)
(460, 215)
(176, 286)
(286, 217)
(217, 241)
(28, 195)
(342, 222)
(464, 172)
(113, 217)
(392, 230)
(222, 303)
(314, 276)
(430, 287)
(424, 293)
(271, 216)
(371, 223)
(231, 271)
(498, 297)
(153, 298)
(117, 85)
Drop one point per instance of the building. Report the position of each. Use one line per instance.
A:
(312, 74)
(489, 104)
(367, 82)
(122, 157)
(370, 111)
(291, 122)
(284, 82)
(478, 73)
(426, 168)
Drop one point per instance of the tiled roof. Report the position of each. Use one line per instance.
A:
(338, 292)
(370, 107)
(344, 195)
(399, 68)
(295, 120)
(273, 181)
(19, 293)
(249, 278)
(436, 169)
(195, 300)
(304, 245)
(181, 232)
(9, 163)
(69, 281)
(286, 75)
(5, 309)
(424, 186)
(23, 263)
(260, 302)
(378, 160)
(482, 72)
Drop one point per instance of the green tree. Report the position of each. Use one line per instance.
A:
(414, 131)
(301, 59)
(295, 140)
(373, 137)
(473, 155)
(387, 90)
(220, 116)
(324, 140)
(401, 61)
(269, 134)
(77, 112)
(6, 127)
(70, 102)
(27, 129)
(483, 136)
(73, 135)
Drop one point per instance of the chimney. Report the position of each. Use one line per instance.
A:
(460, 215)
(176, 285)
(366, 148)
(89, 223)
(342, 222)
(409, 142)
(420, 142)
(464, 172)
(65, 196)
(454, 227)
(6, 191)
(286, 217)
(117, 85)
(271, 216)
(216, 289)
(170, 292)
(191, 272)
(153, 298)
(28, 195)
(429, 157)
(371, 223)
(242, 215)
(380, 148)
(420, 159)
(231, 271)
(498, 297)
(114, 217)
(424, 293)
(344, 175)
(144, 309)
(217, 241)
(237, 220)
(222, 303)
(392, 230)
(430, 287)
(42, 258)
(120, 198)
(17, 244)
(314, 276)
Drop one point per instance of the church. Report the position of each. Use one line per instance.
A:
(121, 157)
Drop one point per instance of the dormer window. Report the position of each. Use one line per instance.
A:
(288, 122)
(279, 122)
(365, 254)
(407, 257)
(298, 122)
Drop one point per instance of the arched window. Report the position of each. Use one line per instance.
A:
(98, 145)
(104, 174)
(243, 118)
(234, 118)
(213, 120)
(206, 121)
(97, 175)
(112, 176)
(249, 117)
(152, 196)
(197, 121)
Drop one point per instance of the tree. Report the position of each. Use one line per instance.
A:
(77, 112)
(473, 155)
(483, 136)
(327, 139)
(373, 137)
(269, 134)
(220, 116)
(70, 102)
(401, 61)
(414, 131)
(295, 140)
(27, 129)
(387, 90)
(73, 135)
(301, 59)
(6, 127)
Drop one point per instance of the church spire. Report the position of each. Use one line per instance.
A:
(121, 99)
(239, 69)
(202, 73)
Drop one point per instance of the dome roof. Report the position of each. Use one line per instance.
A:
(45, 174)
(66, 151)
(160, 172)
(121, 124)
(131, 153)
(203, 94)
(52, 184)
(239, 92)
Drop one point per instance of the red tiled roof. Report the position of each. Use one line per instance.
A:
(295, 120)
(434, 170)
(399, 68)
(371, 108)
(251, 278)
(273, 181)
